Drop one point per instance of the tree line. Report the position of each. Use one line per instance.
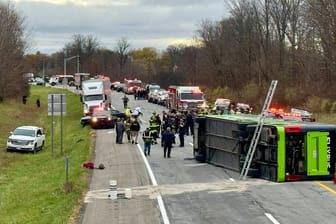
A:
(292, 41)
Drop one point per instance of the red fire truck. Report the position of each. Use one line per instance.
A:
(185, 98)
(131, 85)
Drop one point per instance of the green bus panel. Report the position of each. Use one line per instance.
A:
(281, 154)
(317, 153)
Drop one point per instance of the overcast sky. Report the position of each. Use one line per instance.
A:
(145, 23)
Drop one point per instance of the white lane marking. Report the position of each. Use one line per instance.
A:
(197, 164)
(233, 180)
(154, 183)
(149, 169)
(270, 217)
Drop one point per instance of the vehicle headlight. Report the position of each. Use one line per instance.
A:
(94, 119)
(31, 142)
(9, 140)
(109, 118)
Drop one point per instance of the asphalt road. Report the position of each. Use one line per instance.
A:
(180, 190)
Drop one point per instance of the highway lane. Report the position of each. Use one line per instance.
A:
(195, 192)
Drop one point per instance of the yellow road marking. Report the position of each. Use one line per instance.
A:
(326, 187)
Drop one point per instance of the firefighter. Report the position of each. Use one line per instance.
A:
(128, 112)
(128, 128)
(159, 122)
(147, 138)
(154, 126)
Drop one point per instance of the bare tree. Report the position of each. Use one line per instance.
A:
(12, 47)
(322, 15)
(85, 47)
(122, 50)
(280, 13)
(217, 39)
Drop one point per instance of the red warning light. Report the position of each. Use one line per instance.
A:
(293, 129)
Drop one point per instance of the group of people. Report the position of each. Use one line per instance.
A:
(172, 124)
(130, 126)
(140, 94)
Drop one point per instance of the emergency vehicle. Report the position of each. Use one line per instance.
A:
(293, 115)
(132, 85)
(185, 98)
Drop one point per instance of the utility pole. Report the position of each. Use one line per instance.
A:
(68, 59)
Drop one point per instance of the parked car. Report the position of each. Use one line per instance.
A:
(114, 85)
(120, 87)
(162, 97)
(39, 81)
(26, 138)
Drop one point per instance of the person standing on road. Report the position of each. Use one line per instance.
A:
(120, 128)
(128, 112)
(167, 138)
(189, 123)
(128, 128)
(135, 128)
(147, 138)
(154, 127)
(125, 101)
(181, 132)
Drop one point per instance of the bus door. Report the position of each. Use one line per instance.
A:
(317, 153)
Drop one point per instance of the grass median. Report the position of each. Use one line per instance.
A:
(33, 187)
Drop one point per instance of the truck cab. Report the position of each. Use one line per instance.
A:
(94, 95)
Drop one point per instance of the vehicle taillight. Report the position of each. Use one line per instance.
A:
(293, 129)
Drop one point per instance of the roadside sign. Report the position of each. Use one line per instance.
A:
(56, 104)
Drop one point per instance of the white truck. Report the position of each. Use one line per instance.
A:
(96, 93)
(152, 89)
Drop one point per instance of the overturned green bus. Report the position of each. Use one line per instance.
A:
(286, 151)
